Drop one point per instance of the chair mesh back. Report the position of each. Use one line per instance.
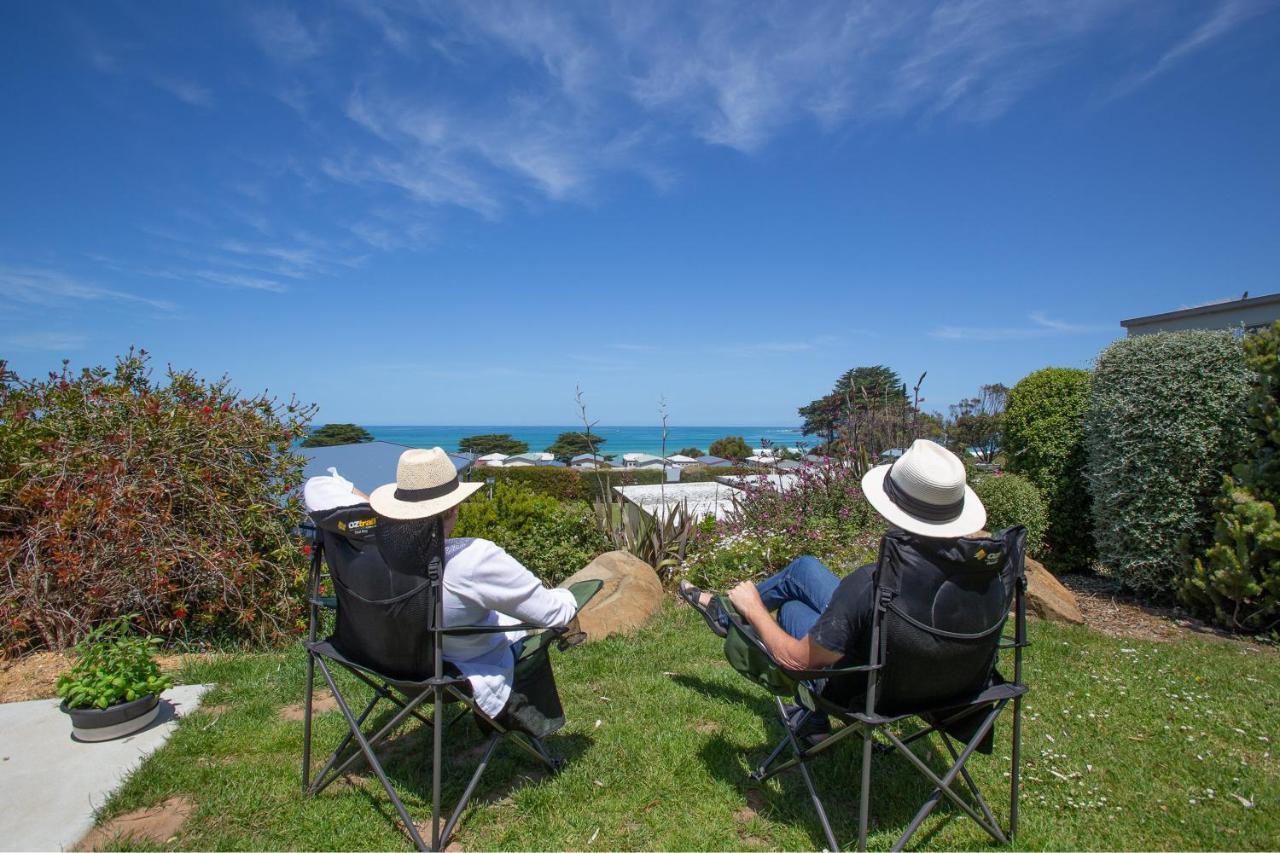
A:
(385, 606)
(948, 601)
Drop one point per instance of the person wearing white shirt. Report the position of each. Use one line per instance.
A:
(483, 584)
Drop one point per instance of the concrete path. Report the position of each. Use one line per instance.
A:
(51, 784)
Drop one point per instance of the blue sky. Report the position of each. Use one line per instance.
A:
(454, 213)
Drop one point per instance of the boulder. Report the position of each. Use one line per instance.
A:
(1048, 598)
(630, 597)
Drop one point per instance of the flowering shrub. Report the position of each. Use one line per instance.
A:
(172, 501)
(552, 540)
(824, 514)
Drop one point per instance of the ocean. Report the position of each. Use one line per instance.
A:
(617, 439)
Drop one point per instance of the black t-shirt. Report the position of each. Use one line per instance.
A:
(845, 627)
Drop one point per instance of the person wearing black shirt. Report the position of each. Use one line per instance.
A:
(824, 621)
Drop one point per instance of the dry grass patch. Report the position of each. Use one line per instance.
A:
(155, 825)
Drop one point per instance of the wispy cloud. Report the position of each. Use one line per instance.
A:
(282, 35)
(1222, 20)
(53, 287)
(1039, 325)
(625, 347)
(44, 341)
(187, 91)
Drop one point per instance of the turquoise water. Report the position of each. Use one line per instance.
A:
(619, 439)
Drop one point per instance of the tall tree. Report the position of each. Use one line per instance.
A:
(331, 434)
(857, 390)
(976, 422)
(502, 442)
(570, 444)
(691, 452)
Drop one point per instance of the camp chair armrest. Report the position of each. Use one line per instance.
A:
(747, 631)
(469, 630)
(1012, 643)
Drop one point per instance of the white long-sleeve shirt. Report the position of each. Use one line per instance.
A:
(483, 585)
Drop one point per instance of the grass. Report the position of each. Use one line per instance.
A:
(1127, 745)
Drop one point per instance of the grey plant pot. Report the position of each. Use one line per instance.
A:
(125, 718)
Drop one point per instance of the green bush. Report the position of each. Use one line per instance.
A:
(1165, 423)
(568, 484)
(1011, 499)
(1044, 442)
(552, 539)
(174, 500)
(333, 434)
(1238, 579)
(113, 665)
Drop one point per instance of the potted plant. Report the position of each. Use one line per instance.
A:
(114, 687)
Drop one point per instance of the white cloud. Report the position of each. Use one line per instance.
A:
(1039, 326)
(282, 35)
(186, 91)
(45, 341)
(46, 287)
(1222, 20)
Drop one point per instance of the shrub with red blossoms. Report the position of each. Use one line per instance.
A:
(171, 499)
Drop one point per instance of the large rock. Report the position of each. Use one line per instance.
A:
(630, 597)
(1046, 596)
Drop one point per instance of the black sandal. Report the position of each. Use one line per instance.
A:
(711, 612)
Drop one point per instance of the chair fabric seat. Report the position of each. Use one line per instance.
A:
(995, 693)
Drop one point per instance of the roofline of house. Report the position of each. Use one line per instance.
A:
(1201, 310)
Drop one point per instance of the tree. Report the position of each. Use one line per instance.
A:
(691, 452)
(976, 423)
(331, 434)
(482, 445)
(570, 444)
(732, 447)
(858, 388)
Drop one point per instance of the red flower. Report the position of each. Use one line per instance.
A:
(306, 549)
(206, 410)
(180, 612)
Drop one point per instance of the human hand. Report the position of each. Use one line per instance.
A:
(745, 598)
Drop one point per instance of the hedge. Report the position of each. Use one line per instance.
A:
(1237, 582)
(1044, 441)
(1011, 499)
(1165, 424)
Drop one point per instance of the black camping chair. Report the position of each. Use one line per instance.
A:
(938, 627)
(389, 633)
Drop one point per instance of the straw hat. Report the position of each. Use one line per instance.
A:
(924, 492)
(426, 484)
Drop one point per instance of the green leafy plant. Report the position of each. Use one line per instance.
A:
(1011, 499)
(113, 665)
(570, 444)
(332, 434)
(1044, 442)
(494, 442)
(1165, 424)
(733, 447)
(1237, 580)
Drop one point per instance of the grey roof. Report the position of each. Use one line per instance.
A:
(713, 461)
(788, 465)
(588, 457)
(535, 458)
(1202, 310)
(552, 463)
(368, 464)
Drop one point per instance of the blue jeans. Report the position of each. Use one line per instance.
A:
(798, 594)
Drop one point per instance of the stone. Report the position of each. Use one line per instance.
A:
(629, 599)
(1048, 598)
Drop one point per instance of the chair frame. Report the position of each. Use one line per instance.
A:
(870, 724)
(409, 697)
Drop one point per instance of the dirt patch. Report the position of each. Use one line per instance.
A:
(706, 727)
(156, 825)
(214, 710)
(35, 676)
(1116, 614)
(320, 703)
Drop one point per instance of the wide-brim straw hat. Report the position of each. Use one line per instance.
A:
(924, 492)
(426, 484)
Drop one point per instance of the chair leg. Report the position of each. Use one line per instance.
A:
(973, 786)
(494, 740)
(864, 793)
(306, 723)
(369, 755)
(324, 777)
(1017, 763)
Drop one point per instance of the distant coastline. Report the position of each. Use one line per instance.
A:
(618, 439)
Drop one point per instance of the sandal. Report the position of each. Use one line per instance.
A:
(711, 611)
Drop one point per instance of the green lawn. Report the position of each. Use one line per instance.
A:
(1127, 744)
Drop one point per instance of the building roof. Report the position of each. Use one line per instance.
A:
(492, 457)
(1223, 306)
(713, 460)
(588, 457)
(639, 458)
(788, 465)
(368, 464)
(533, 457)
(681, 458)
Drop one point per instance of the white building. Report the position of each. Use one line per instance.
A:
(492, 460)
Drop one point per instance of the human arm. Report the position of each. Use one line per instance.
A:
(330, 491)
(499, 582)
(791, 653)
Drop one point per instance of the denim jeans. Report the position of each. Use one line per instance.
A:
(798, 594)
